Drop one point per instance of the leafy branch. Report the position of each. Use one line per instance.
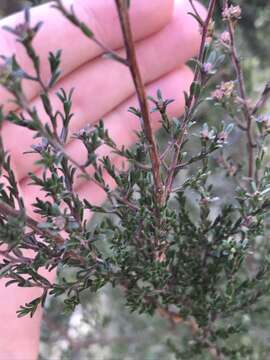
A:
(169, 238)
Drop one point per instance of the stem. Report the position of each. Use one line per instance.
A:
(191, 103)
(196, 12)
(54, 142)
(75, 21)
(7, 210)
(82, 169)
(131, 62)
(109, 52)
(263, 99)
(210, 13)
(242, 91)
(142, 98)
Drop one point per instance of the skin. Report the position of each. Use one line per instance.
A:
(166, 37)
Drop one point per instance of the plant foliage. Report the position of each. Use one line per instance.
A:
(176, 245)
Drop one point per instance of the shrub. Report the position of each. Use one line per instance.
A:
(169, 237)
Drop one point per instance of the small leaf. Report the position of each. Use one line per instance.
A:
(86, 30)
(195, 89)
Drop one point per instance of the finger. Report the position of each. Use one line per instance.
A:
(121, 126)
(99, 89)
(147, 17)
(27, 330)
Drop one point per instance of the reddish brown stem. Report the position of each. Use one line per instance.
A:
(123, 14)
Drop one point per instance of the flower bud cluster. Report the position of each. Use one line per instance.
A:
(225, 38)
(224, 91)
(232, 13)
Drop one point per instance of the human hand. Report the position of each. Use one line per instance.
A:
(166, 37)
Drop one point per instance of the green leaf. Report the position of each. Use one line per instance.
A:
(86, 30)
(195, 89)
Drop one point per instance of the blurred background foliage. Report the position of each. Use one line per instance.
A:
(101, 328)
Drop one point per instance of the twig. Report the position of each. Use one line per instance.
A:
(191, 103)
(13, 260)
(131, 62)
(167, 150)
(242, 91)
(196, 12)
(75, 21)
(110, 53)
(263, 99)
(140, 90)
(5, 209)
(58, 146)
